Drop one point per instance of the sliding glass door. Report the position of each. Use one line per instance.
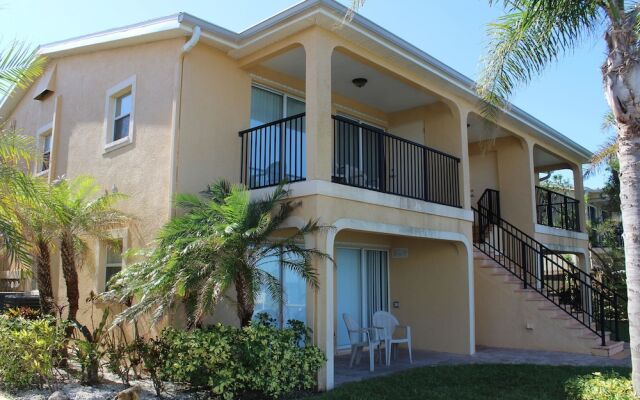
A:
(362, 287)
(275, 149)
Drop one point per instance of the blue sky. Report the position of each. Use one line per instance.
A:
(568, 96)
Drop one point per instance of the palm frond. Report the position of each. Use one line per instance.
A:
(603, 157)
(19, 66)
(523, 42)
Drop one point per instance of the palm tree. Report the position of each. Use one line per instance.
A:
(534, 33)
(221, 241)
(83, 213)
(38, 221)
(19, 66)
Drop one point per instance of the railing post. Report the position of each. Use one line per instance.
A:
(549, 209)
(381, 164)
(541, 261)
(524, 265)
(602, 327)
(426, 173)
(565, 219)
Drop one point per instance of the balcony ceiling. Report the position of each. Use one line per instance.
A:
(542, 159)
(382, 91)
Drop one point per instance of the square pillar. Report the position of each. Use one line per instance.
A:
(323, 303)
(578, 192)
(319, 129)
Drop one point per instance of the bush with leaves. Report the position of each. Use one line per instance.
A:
(151, 353)
(29, 351)
(23, 312)
(599, 386)
(259, 360)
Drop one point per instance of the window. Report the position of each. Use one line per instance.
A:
(113, 263)
(119, 115)
(46, 151)
(122, 117)
(294, 287)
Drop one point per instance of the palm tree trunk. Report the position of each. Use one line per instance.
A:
(622, 88)
(43, 275)
(70, 275)
(244, 300)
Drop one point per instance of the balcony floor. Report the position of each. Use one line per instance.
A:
(484, 355)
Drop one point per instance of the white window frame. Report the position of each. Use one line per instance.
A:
(42, 133)
(122, 88)
(101, 257)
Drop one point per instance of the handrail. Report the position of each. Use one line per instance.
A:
(368, 157)
(548, 213)
(381, 132)
(273, 152)
(531, 262)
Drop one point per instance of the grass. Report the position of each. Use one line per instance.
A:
(462, 382)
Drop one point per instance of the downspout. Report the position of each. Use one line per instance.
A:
(176, 114)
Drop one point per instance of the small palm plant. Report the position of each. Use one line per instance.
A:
(219, 243)
(82, 213)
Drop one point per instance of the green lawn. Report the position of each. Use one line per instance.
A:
(468, 382)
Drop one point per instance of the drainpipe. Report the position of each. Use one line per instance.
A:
(176, 114)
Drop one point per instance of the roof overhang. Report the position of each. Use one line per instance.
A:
(324, 13)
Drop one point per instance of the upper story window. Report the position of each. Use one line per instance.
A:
(122, 116)
(119, 114)
(46, 151)
(45, 148)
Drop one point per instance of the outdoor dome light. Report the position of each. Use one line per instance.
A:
(360, 82)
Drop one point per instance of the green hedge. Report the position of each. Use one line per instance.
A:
(28, 351)
(258, 360)
(598, 386)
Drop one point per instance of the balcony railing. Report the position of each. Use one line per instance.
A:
(557, 210)
(274, 152)
(367, 157)
(363, 156)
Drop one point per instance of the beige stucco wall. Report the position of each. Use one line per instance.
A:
(141, 169)
(505, 318)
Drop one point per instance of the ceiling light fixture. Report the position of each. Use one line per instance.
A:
(359, 82)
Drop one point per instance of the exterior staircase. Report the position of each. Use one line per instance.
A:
(520, 281)
(577, 337)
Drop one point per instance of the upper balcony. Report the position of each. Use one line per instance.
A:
(374, 130)
(557, 210)
(363, 156)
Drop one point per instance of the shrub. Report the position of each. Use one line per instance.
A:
(598, 386)
(29, 351)
(230, 362)
(23, 312)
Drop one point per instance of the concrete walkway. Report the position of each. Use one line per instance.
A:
(484, 355)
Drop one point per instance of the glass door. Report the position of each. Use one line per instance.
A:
(362, 288)
(275, 149)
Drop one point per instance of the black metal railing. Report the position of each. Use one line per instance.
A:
(590, 302)
(368, 157)
(557, 210)
(273, 152)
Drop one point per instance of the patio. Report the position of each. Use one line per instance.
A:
(484, 355)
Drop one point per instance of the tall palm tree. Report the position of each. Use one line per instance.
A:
(83, 213)
(534, 33)
(221, 241)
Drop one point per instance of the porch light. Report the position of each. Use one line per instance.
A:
(360, 82)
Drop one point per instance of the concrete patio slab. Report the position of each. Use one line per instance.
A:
(484, 355)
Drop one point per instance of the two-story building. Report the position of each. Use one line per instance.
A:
(435, 211)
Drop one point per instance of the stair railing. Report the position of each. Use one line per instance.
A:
(572, 290)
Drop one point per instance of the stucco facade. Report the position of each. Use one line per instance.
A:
(193, 94)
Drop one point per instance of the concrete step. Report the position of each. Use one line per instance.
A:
(612, 348)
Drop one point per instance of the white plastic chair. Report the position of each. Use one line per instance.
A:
(388, 324)
(371, 339)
